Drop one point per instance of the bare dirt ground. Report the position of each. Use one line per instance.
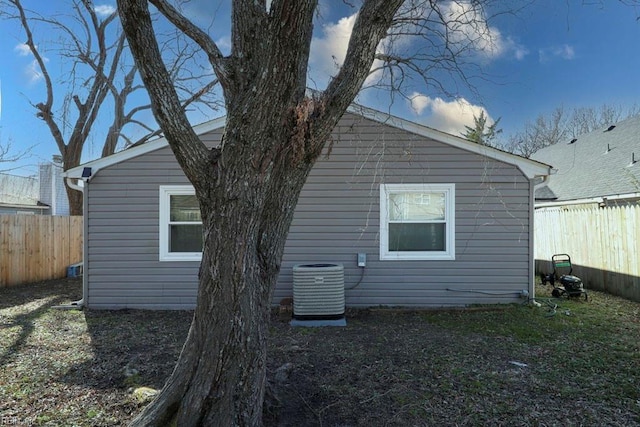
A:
(577, 364)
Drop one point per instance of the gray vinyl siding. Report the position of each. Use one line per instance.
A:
(122, 264)
(337, 216)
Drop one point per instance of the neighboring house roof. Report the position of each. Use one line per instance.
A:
(20, 191)
(530, 168)
(604, 163)
(545, 193)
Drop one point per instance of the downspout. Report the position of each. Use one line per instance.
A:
(70, 182)
(54, 201)
(532, 258)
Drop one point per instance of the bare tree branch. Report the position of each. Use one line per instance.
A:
(9, 155)
(44, 109)
(371, 26)
(98, 67)
(186, 145)
(197, 35)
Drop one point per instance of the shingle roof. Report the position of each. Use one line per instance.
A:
(545, 193)
(597, 164)
(19, 190)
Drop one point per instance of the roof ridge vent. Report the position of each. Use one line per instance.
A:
(633, 160)
(610, 128)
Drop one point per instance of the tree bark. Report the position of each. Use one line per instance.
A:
(247, 188)
(220, 376)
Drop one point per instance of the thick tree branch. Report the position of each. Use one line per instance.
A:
(371, 26)
(44, 109)
(190, 152)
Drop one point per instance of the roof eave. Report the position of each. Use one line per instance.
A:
(530, 168)
(139, 150)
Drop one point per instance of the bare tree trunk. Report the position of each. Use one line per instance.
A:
(220, 376)
(75, 200)
(247, 188)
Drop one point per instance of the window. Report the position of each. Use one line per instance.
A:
(417, 221)
(180, 224)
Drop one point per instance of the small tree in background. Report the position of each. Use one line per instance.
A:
(480, 133)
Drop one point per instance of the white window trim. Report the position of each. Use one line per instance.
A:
(163, 239)
(450, 214)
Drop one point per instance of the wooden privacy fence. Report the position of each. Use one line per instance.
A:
(604, 245)
(38, 247)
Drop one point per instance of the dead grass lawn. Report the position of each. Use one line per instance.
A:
(515, 365)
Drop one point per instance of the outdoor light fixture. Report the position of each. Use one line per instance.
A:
(86, 172)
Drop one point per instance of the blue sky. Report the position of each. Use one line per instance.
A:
(553, 53)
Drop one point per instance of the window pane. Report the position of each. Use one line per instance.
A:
(416, 206)
(185, 238)
(417, 237)
(184, 208)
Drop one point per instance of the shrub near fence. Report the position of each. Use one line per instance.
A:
(38, 247)
(604, 245)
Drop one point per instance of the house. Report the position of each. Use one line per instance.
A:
(588, 208)
(443, 221)
(20, 195)
(600, 167)
(41, 195)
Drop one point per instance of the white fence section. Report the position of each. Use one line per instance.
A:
(604, 245)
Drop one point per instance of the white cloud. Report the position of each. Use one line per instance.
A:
(31, 71)
(328, 52)
(104, 10)
(447, 116)
(563, 51)
(468, 26)
(22, 49)
(466, 23)
(224, 44)
(520, 52)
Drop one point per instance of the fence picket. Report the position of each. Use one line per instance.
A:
(34, 248)
(604, 245)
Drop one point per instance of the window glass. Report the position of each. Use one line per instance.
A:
(180, 224)
(184, 208)
(416, 206)
(417, 221)
(185, 238)
(417, 237)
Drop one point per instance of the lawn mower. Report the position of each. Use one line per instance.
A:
(569, 285)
